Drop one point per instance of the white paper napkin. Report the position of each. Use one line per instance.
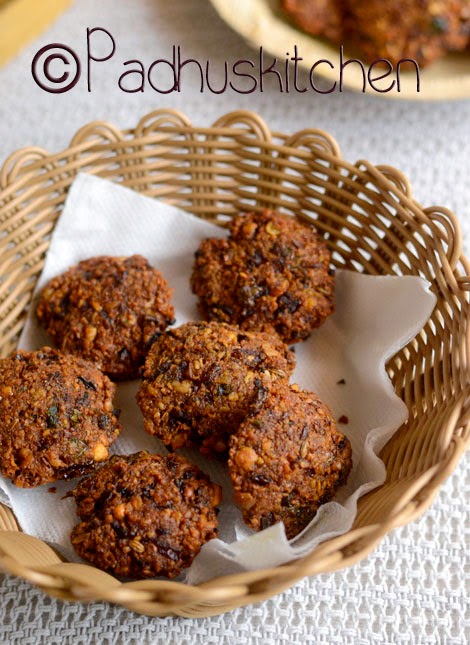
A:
(375, 316)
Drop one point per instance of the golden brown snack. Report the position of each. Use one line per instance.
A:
(423, 30)
(145, 515)
(286, 459)
(201, 378)
(56, 417)
(271, 274)
(318, 17)
(108, 310)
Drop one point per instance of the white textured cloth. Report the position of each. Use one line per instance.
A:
(414, 588)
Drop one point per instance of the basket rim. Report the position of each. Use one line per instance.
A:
(245, 588)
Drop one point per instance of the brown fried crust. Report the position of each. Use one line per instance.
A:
(423, 30)
(145, 515)
(201, 378)
(271, 274)
(318, 17)
(286, 459)
(108, 310)
(56, 417)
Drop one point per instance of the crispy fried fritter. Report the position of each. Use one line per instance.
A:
(286, 459)
(108, 310)
(271, 274)
(318, 17)
(423, 30)
(56, 417)
(201, 378)
(145, 515)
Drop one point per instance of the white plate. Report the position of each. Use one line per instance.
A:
(262, 23)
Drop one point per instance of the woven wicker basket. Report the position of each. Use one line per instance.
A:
(371, 223)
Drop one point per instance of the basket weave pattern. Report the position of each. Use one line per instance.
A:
(371, 223)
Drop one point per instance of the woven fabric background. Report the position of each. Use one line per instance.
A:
(415, 587)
